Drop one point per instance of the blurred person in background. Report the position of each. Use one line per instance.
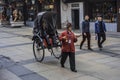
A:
(86, 33)
(100, 31)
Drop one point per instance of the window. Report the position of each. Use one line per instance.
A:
(35, 6)
(30, 9)
(107, 9)
(17, 11)
(48, 5)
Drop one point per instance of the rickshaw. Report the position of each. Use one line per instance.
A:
(45, 32)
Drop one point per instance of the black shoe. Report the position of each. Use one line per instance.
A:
(74, 70)
(100, 49)
(62, 66)
(90, 49)
(80, 47)
(101, 46)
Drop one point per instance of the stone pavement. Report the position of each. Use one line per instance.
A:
(17, 61)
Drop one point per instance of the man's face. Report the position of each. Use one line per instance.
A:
(99, 18)
(86, 17)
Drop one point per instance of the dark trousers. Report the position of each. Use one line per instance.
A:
(88, 37)
(101, 39)
(71, 59)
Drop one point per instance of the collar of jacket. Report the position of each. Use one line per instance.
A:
(98, 22)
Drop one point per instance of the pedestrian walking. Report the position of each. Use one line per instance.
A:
(86, 33)
(68, 48)
(100, 31)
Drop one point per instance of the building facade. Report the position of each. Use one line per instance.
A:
(12, 10)
(36, 6)
(26, 10)
(74, 11)
(68, 11)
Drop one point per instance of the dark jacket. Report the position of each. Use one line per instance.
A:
(97, 27)
(66, 46)
(85, 26)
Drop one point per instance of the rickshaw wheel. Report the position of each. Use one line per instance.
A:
(56, 51)
(38, 51)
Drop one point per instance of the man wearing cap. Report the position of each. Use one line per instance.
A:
(100, 31)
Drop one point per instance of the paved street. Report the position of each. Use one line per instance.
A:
(17, 61)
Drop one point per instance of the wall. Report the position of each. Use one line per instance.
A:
(66, 13)
(111, 27)
(30, 23)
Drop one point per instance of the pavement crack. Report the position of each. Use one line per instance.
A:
(14, 45)
(18, 35)
(27, 74)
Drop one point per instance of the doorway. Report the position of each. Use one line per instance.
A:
(75, 18)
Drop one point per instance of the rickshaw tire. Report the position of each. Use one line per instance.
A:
(38, 60)
(57, 57)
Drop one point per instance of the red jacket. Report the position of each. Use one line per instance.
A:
(68, 42)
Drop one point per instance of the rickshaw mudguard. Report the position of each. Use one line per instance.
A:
(36, 37)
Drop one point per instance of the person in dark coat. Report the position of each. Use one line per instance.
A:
(68, 48)
(100, 31)
(86, 32)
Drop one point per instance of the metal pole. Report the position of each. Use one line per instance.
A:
(24, 11)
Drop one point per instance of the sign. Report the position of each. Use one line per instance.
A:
(75, 5)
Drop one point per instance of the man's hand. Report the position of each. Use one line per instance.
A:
(96, 36)
(64, 37)
(84, 34)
